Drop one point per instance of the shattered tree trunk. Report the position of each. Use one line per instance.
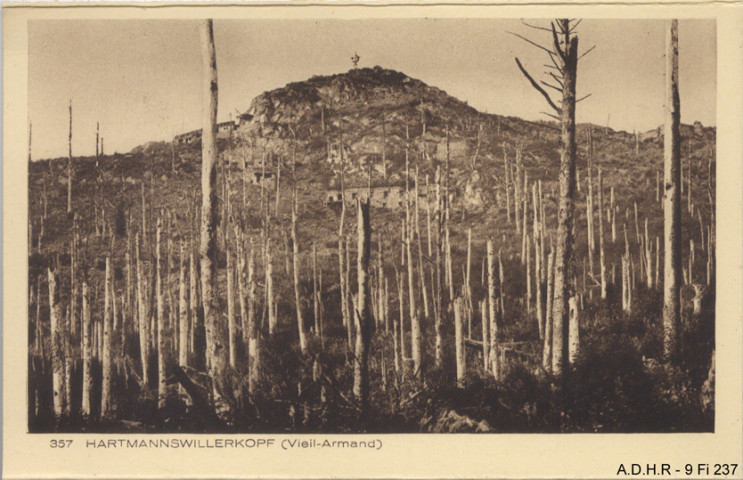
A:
(564, 245)
(216, 334)
(671, 199)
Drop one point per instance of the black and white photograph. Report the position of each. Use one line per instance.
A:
(317, 226)
(327, 228)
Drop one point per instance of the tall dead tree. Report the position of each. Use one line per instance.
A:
(57, 343)
(87, 353)
(589, 202)
(602, 259)
(144, 343)
(160, 318)
(564, 56)
(363, 313)
(671, 198)
(216, 333)
(69, 165)
(106, 394)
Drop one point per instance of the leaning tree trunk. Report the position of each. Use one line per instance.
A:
(564, 246)
(216, 333)
(671, 199)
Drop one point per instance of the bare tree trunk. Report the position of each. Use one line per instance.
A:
(613, 215)
(538, 261)
(231, 326)
(315, 298)
(161, 376)
(361, 363)
(602, 260)
(183, 320)
(414, 323)
(144, 342)
(564, 245)
(106, 398)
(517, 190)
(295, 256)
(272, 320)
(253, 324)
(589, 202)
(437, 301)
(484, 324)
(421, 276)
(69, 166)
(492, 302)
(400, 326)
(57, 344)
(574, 331)
(459, 341)
(648, 253)
(548, 324)
(672, 199)
(216, 335)
(506, 183)
(524, 230)
(87, 354)
(192, 298)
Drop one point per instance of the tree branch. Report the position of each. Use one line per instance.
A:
(558, 67)
(551, 86)
(557, 79)
(553, 116)
(583, 98)
(537, 87)
(556, 41)
(529, 41)
(586, 52)
(536, 27)
(544, 125)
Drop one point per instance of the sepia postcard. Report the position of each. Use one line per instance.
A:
(372, 240)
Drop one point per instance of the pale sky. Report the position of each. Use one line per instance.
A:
(141, 78)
